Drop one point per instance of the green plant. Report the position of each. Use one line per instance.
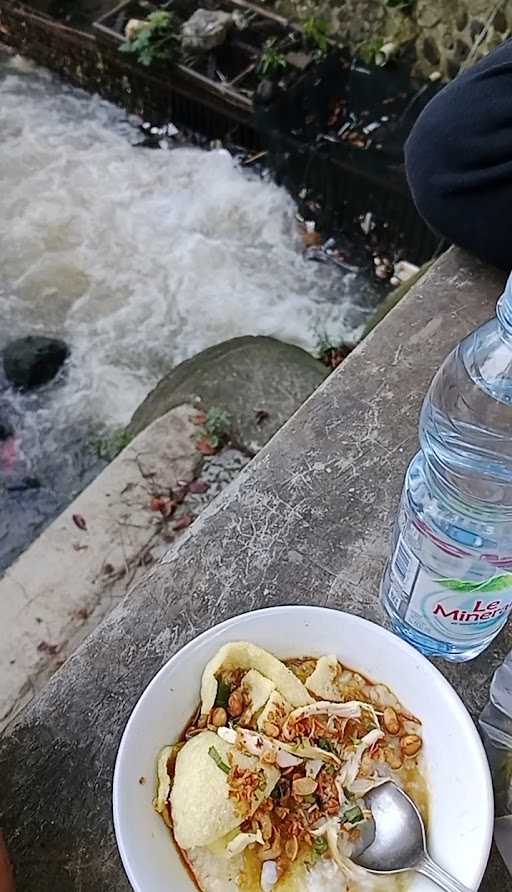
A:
(368, 50)
(153, 39)
(316, 32)
(218, 426)
(108, 447)
(324, 343)
(272, 60)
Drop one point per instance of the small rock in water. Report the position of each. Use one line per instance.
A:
(33, 361)
(6, 430)
(24, 484)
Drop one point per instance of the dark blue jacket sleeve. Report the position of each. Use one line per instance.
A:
(459, 159)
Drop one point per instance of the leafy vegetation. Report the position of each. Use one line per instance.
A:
(218, 426)
(108, 447)
(320, 845)
(154, 39)
(316, 32)
(272, 59)
(368, 50)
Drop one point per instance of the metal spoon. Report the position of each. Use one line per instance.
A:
(399, 842)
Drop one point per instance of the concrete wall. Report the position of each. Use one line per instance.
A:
(444, 34)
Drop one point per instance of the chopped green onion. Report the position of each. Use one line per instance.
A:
(217, 758)
(223, 694)
(325, 744)
(310, 799)
(354, 815)
(320, 845)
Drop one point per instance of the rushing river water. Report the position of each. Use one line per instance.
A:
(138, 259)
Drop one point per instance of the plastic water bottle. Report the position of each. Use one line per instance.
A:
(448, 585)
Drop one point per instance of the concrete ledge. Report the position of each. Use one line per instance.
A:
(70, 578)
(308, 521)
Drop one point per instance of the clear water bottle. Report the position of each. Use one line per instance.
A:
(448, 585)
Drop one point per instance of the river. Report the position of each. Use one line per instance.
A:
(138, 259)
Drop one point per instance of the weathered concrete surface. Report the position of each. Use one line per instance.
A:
(69, 578)
(308, 521)
(244, 377)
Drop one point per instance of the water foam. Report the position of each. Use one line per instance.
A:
(137, 258)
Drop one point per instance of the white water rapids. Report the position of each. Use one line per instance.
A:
(138, 259)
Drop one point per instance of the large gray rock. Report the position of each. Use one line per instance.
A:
(33, 361)
(205, 29)
(258, 381)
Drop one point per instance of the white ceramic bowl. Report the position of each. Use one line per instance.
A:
(461, 814)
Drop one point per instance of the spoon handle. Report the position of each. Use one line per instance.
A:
(443, 879)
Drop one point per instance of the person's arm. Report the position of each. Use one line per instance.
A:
(6, 874)
(459, 159)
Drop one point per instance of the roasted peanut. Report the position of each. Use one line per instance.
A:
(410, 745)
(218, 717)
(270, 729)
(304, 786)
(236, 704)
(391, 723)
